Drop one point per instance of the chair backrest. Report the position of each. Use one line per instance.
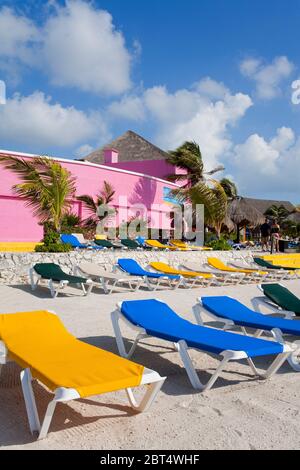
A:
(282, 297)
(47, 270)
(131, 266)
(104, 243)
(164, 267)
(79, 237)
(130, 243)
(66, 238)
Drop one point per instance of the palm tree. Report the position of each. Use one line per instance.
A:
(199, 187)
(280, 213)
(215, 202)
(188, 157)
(230, 188)
(104, 197)
(46, 186)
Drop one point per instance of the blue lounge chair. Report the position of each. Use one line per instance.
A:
(130, 266)
(231, 312)
(71, 240)
(157, 319)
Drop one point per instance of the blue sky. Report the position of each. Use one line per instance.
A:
(219, 72)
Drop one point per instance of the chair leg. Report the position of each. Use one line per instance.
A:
(30, 403)
(47, 419)
(192, 374)
(148, 398)
(115, 317)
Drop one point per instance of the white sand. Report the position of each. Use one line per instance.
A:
(238, 413)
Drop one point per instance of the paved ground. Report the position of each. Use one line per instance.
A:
(239, 413)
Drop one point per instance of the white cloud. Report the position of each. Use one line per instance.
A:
(83, 150)
(83, 49)
(188, 115)
(211, 88)
(268, 166)
(197, 114)
(268, 77)
(17, 33)
(78, 46)
(37, 122)
(129, 107)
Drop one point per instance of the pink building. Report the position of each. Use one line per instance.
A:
(137, 182)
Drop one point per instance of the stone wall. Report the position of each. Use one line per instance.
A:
(14, 266)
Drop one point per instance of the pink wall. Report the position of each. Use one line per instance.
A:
(18, 224)
(157, 168)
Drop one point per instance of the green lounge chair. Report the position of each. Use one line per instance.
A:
(133, 245)
(265, 264)
(107, 244)
(281, 297)
(53, 273)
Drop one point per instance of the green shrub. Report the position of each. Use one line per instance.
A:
(51, 244)
(219, 245)
(51, 238)
(54, 248)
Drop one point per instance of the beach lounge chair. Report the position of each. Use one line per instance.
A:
(75, 243)
(250, 274)
(107, 244)
(271, 273)
(130, 266)
(46, 351)
(53, 274)
(265, 264)
(191, 278)
(131, 244)
(108, 281)
(186, 247)
(160, 246)
(226, 278)
(276, 296)
(232, 312)
(155, 318)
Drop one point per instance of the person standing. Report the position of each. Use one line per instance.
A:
(265, 231)
(275, 236)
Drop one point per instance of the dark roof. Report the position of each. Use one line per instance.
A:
(131, 147)
(294, 217)
(241, 211)
(262, 205)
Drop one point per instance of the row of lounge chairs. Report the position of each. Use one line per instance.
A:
(128, 272)
(71, 369)
(77, 241)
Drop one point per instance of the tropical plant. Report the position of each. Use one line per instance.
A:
(214, 200)
(220, 245)
(230, 188)
(199, 188)
(46, 187)
(280, 213)
(188, 157)
(71, 223)
(103, 198)
(52, 244)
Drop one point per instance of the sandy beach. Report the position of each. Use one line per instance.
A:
(240, 412)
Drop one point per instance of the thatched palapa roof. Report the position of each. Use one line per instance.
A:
(131, 147)
(242, 212)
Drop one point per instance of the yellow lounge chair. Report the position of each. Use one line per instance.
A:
(72, 369)
(160, 246)
(188, 275)
(251, 273)
(184, 246)
(180, 245)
